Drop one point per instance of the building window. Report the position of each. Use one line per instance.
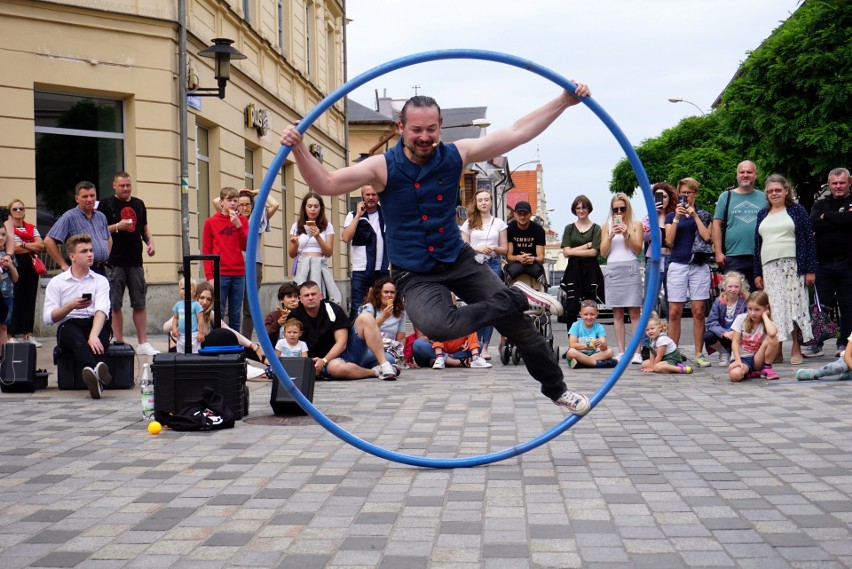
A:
(247, 11)
(202, 175)
(281, 25)
(76, 138)
(248, 178)
(309, 22)
(331, 59)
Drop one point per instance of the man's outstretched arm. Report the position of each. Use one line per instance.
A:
(525, 129)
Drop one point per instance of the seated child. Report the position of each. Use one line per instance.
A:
(179, 323)
(461, 352)
(731, 303)
(587, 345)
(755, 341)
(288, 299)
(841, 367)
(665, 356)
(290, 346)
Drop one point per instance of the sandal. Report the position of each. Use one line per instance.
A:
(797, 360)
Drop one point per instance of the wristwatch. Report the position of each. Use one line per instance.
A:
(324, 361)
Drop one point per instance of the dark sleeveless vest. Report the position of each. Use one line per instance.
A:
(420, 209)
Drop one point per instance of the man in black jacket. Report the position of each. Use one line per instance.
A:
(832, 220)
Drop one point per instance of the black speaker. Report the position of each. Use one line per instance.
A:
(18, 370)
(303, 375)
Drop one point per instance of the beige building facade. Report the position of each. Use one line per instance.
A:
(91, 88)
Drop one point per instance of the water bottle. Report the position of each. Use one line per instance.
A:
(147, 383)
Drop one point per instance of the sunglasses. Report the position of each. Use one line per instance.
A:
(622, 209)
(589, 303)
(18, 209)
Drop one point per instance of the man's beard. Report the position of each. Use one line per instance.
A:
(419, 152)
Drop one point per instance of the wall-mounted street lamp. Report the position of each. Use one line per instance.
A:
(481, 123)
(223, 53)
(680, 100)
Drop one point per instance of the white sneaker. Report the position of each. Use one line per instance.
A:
(146, 349)
(617, 357)
(440, 362)
(577, 403)
(253, 372)
(636, 359)
(102, 371)
(539, 300)
(479, 362)
(90, 378)
(33, 341)
(724, 359)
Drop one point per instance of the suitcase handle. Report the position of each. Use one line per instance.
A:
(187, 310)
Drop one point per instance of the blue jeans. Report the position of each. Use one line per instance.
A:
(488, 302)
(424, 355)
(834, 287)
(359, 286)
(484, 335)
(231, 290)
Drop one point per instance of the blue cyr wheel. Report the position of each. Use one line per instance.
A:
(652, 265)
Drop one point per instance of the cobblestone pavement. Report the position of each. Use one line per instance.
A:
(667, 472)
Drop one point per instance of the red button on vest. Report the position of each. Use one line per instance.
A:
(424, 217)
(431, 248)
(440, 230)
(440, 197)
(416, 184)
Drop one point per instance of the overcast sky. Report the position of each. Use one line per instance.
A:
(633, 54)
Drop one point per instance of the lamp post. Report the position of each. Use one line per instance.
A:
(481, 123)
(681, 100)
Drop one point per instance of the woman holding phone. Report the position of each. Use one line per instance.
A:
(688, 235)
(621, 242)
(311, 245)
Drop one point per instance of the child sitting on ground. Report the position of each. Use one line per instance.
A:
(288, 300)
(665, 356)
(290, 346)
(723, 312)
(841, 367)
(179, 323)
(755, 341)
(587, 345)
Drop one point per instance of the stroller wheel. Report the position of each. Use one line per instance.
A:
(516, 355)
(504, 355)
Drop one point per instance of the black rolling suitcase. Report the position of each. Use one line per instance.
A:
(180, 379)
(18, 370)
(303, 375)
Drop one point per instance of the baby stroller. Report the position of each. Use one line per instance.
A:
(541, 320)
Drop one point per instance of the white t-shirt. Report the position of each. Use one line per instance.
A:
(488, 234)
(309, 244)
(663, 340)
(749, 342)
(289, 351)
(359, 252)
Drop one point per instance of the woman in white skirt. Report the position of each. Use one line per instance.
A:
(621, 242)
(785, 261)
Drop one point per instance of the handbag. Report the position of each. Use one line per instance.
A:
(38, 265)
(822, 325)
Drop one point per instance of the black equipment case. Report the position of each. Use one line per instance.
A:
(18, 370)
(179, 379)
(119, 358)
(303, 375)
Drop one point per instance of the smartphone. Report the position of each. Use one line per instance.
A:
(682, 200)
(87, 296)
(658, 199)
(616, 220)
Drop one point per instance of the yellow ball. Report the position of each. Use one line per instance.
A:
(154, 428)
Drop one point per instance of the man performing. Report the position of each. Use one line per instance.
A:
(418, 181)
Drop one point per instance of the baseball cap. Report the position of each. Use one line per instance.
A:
(523, 206)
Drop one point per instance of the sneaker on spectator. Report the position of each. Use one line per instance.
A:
(606, 363)
(577, 403)
(846, 376)
(839, 352)
(572, 363)
(102, 371)
(724, 359)
(146, 349)
(440, 363)
(754, 374)
(701, 360)
(617, 357)
(90, 378)
(806, 374)
(33, 341)
(769, 373)
(685, 368)
(388, 372)
(813, 351)
(479, 362)
(539, 300)
(636, 359)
